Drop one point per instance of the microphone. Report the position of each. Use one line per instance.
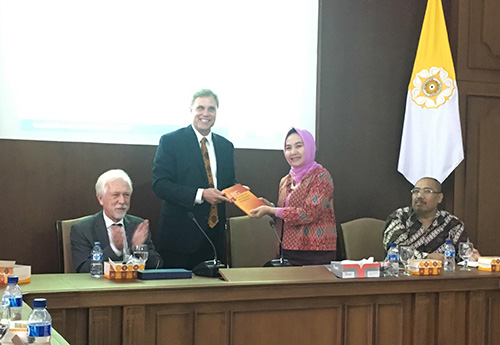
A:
(277, 262)
(209, 268)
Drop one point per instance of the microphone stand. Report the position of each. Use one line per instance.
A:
(278, 262)
(209, 268)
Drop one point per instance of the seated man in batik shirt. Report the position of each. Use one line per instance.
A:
(424, 226)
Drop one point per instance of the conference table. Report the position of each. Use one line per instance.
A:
(286, 305)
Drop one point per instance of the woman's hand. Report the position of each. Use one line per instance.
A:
(267, 202)
(261, 211)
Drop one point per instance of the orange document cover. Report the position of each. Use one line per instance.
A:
(243, 198)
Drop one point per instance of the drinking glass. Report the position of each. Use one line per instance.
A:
(465, 251)
(405, 254)
(126, 255)
(4, 317)
(140, 252)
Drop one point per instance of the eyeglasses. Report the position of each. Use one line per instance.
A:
(425, 191)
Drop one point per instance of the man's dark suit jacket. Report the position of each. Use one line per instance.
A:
(178, 172)
(91, 229)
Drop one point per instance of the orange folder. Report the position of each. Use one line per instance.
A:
(243, 198)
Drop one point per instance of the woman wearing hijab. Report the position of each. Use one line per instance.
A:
(304, 212)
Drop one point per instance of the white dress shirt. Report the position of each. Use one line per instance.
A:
(109, 223)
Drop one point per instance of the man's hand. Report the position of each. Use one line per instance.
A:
(435, 256)
(214, 196)
(141, 233)
(475, 255)
(118, 236)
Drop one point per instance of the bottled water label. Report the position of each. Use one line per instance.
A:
(39, 329)
(15, 301)
(449, 253)
(96, 256)
(394, 257)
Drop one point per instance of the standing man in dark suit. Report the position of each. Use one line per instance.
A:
(191, 167)
(113, 227)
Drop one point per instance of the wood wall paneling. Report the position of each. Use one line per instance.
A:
(478, 76)
(424, 319)
(293, 326)
(290, 321)
(102, 329)
(174, 327)
(133, 328)
(367, 50)
(73, 323)
(446, 318)
(367, 320)
(482, 189)
(477, 316)
(212, 327)
(392, 323)
(460, 319)
(493, 317)
(478, 40)
(354, 334)
(484, 42)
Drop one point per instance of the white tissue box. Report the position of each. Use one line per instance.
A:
(17, 328)
(356, 269)
(489, 263)
(425, 267)
(121, 270)
(8, 268)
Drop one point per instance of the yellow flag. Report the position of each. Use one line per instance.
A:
(431, 144)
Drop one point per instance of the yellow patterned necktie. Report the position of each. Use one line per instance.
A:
(213, 218)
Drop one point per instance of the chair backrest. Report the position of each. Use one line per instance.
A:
(251, 241)
(363, 238)
(63, 229)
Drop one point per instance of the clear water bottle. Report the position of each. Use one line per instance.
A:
(4, 317)
(96, 265)
(449, 256)
(39, 323)
(14, 294)
(384, 268)
(393, 258)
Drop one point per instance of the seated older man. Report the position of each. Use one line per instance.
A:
(424, 226)
(112, 226)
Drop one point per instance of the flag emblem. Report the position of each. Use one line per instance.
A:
(432, 88)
